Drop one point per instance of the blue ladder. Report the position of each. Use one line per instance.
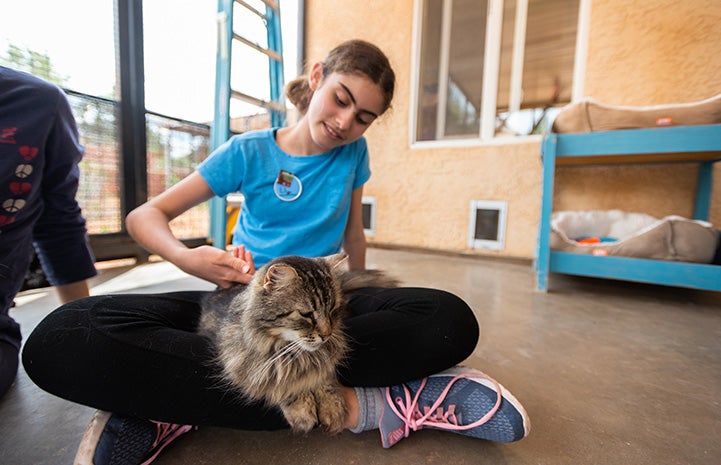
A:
(227, 39)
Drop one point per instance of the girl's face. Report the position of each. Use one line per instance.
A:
(343, 106)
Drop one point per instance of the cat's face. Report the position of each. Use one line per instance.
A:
(305, 299)
(308, 327)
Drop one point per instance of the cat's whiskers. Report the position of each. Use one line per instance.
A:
(268, 365)
(292, 349)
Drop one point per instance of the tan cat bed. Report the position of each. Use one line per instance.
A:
(614, 232)
(588, 115)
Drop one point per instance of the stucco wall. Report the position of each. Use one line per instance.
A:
(648, 53)
(639, 53)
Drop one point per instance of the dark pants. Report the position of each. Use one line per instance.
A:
(8, 365)
(15, 258)
(139, 355)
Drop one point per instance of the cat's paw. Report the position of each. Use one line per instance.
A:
(301, 414)
(331, 410)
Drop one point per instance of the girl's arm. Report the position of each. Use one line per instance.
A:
(149, 226)
(354, 239)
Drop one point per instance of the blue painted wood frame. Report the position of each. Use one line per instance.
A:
(704, 186)
(548, 154)
(277, 80)
(682, 274)
(220, 131)
(703, 143)
(680, 139)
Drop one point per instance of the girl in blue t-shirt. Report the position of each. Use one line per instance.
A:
(138, 356)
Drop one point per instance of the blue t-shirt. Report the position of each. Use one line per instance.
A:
(293, 205)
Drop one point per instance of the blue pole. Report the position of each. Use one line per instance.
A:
(220, 131)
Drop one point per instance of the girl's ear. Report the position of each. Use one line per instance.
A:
(315, 76)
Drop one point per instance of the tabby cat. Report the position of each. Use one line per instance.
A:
(280, 338)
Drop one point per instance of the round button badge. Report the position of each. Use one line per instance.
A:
(287, 186)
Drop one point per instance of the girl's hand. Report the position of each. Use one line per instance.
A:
(218, 266)
(245, 255)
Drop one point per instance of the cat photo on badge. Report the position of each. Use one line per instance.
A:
(287, 186)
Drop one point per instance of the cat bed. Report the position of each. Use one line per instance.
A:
(618, 233)
(588, 115)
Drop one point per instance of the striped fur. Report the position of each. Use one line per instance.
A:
(280, 338)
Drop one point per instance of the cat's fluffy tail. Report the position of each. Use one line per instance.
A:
(355, 279)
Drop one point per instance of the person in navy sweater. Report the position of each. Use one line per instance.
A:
(39, 156)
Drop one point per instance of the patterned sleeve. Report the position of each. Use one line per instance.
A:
(60, 233)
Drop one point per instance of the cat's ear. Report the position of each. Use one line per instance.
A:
(279, 276)
(336, 259)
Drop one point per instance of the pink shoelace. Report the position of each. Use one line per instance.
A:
(167, 433)
(435, 416)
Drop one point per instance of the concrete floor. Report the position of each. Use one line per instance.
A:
(610, 373)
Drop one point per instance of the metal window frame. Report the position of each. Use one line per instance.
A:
(133, 149)
(133, 175)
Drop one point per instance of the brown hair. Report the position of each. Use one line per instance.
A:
(351, 57)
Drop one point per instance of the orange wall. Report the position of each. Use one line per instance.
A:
(639, 53)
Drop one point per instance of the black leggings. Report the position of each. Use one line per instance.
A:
(138, 354)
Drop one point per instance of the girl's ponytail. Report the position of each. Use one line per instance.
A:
(299, 93)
